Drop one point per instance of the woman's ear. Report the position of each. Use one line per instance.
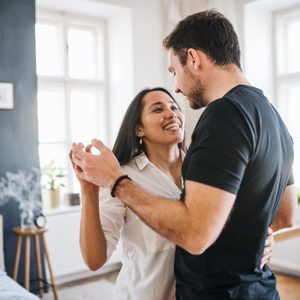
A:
(139, 132)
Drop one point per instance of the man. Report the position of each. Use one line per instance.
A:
(237, 171)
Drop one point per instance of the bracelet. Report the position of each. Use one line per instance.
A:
(117, 182)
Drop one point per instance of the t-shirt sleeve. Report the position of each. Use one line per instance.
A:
(222, 147)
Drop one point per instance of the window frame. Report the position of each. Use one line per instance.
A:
(99, 83)
(283, 77)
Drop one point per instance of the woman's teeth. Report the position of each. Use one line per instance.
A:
(172, 126)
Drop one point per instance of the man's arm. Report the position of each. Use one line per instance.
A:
(193, 224)
(286, 212)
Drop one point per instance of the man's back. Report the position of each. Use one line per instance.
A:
(242, 146)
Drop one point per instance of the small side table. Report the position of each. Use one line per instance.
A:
(36, 233)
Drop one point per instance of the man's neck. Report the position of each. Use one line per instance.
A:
(222, 80)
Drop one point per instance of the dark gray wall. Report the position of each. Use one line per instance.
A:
(18, 127)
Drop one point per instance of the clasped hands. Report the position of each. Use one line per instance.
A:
(100, 169)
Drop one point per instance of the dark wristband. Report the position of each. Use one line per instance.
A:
(117, 182)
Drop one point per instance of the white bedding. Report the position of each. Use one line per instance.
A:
(11, 290)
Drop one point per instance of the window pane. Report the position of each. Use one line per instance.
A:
(297, 161)
(68, 109)
(292, 109)
(83, 115)
(49, 50)
(82, 61)
(51, 116)
(293, 47)
(56, 152)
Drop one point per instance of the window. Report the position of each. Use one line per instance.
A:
(287, 28)
(71, 86)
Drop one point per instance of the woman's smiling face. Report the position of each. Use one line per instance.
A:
(162, 121)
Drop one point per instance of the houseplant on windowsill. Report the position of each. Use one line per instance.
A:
(52, 181)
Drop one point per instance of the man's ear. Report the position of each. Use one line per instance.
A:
(196, 57)
(192, 58)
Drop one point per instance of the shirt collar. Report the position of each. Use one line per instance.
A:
(142, 161)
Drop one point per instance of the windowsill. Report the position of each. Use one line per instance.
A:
(62, 209)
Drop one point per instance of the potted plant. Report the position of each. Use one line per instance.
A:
(52, 181)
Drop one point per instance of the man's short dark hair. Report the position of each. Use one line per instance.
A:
(208, 31)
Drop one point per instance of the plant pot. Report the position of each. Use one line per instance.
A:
(50, 198)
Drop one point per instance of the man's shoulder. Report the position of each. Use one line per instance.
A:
(242, 101)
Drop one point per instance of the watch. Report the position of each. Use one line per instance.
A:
(40, 220)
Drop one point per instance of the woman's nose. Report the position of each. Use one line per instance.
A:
(170, 113)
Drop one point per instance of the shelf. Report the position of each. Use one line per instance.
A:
(62, 209)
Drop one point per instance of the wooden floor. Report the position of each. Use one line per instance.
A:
(101, 287)
(288, 287)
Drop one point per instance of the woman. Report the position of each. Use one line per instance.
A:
(149, 147)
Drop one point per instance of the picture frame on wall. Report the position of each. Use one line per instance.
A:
(6, 95)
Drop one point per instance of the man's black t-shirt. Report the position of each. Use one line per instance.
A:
(240, 145)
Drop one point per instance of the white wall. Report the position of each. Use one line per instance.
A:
(62, 241)
(258, 46)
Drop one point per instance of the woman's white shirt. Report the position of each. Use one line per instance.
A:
(147, 258)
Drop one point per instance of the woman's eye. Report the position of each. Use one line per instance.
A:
(174, 107)
(158, 109)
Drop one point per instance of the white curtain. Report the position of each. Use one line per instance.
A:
(175, 11)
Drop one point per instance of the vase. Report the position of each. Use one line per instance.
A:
(50, 198)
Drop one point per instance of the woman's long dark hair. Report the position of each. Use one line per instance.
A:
(127, 145)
